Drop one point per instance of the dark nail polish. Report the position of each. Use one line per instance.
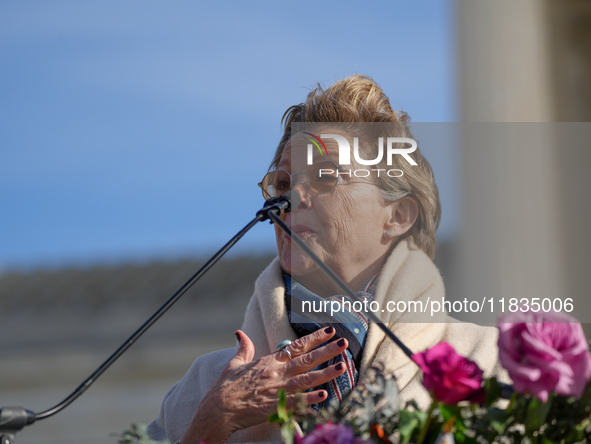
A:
(321, 394)
(237, 336)
(339, 367)
(329, 330)
(341, 342)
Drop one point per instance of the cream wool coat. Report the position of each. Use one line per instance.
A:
(407, 275)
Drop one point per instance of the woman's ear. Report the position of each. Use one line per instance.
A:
(403, 216)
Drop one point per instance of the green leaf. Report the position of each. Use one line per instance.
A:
(275, 418)
(498, 419)
(493, 391)
(410, 423)
(282, 415)
(583, 425)
(282, 404)
(137, 434)
(449, 410)
(287, 432)
(460, 438)
(537, 412)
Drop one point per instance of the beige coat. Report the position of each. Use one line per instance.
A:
(407, 275)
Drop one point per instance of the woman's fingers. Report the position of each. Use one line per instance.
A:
(245, 352)
(314, 379)
(246, 391)
(316, 357)
(309, 342)
(308, 398)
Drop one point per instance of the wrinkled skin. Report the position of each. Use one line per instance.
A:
(246, 392)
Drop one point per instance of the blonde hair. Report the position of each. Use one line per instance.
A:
(358, 99)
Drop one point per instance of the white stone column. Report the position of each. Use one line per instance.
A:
(527, 209)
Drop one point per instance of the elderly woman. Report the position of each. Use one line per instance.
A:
(376, 231)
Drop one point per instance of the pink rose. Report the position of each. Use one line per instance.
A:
(329, 434)
(448, 376)
(544, 352)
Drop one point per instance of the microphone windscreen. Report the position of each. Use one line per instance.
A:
(292, 197)
(272, 200)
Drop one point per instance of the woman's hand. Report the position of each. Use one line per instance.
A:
(245, 394)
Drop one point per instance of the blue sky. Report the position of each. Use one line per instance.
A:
(138, 130)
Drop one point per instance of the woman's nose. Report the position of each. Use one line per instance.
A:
(299, 186)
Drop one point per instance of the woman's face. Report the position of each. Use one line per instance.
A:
(345, 227)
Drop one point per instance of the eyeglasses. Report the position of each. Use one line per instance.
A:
(321, 178)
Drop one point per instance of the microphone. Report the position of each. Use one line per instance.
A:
(284, 203)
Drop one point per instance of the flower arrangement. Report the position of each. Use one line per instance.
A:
(545, 354)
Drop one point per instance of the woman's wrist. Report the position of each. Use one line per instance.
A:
(209, 425)
(205, 432)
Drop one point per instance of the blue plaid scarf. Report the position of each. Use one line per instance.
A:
(349, 324)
